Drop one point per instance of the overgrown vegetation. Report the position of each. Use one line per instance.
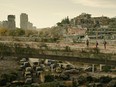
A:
(17, 32)
(8, 77)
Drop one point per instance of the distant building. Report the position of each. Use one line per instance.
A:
(11, 22)
(5, 24)
(29, 25)
(24, 21)
(34, 27)
(102, 33)
(0, 24)
(74, 34)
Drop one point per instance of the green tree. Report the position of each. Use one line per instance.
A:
(30, 32)
(64, 21)
(19, 32)
(59, 24)
(16, 32)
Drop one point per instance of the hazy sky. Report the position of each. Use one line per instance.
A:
(46, 13)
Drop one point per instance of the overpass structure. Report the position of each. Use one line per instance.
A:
(76, 59)
(85, 56)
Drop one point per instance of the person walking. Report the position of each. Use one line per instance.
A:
(87, 43)
(104, 44)
(96, 44)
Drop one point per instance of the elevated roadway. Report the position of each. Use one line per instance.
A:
(33, 51)
(100, 59)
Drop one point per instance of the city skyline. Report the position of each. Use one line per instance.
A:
(47, 13)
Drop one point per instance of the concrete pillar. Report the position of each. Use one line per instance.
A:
(101, 65)
(52, 69)
(42, 79)
(93, 68)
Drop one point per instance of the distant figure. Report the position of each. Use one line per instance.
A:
(87, 43)
(96, 44)
(104, 44)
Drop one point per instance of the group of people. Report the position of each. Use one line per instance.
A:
(104, 43)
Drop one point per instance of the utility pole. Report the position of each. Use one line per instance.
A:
(97, 26)
(96, 34)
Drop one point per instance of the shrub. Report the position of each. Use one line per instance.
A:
(107, 68)
(81, 80)
(112, 83)
(95, 50)
(3, 82)
(105, 79)
(49, 78)
(89, 79)
(67, 48)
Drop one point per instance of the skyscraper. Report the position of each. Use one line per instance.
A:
(24, 21)
(11, 22)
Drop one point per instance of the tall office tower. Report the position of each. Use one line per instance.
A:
(24, 21)
(11, 22)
